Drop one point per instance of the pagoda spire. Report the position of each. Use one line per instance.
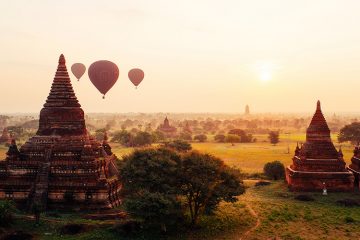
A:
(318, 128)
(62, 113)
(61, 93)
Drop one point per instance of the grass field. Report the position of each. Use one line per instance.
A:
(251, 157)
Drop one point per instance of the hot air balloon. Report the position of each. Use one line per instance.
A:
(136, 75)
(103, 74)
(78, 69)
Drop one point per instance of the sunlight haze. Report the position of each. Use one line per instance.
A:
(198, 56)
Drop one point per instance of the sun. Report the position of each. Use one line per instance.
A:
(265, 76)
(264, 70)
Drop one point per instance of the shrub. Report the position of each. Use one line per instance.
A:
(179, 145)
(262, 183)
(349, 202)
(7, 210)
(274, 170)
(304, 198)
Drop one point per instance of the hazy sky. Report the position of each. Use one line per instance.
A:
(197, 55)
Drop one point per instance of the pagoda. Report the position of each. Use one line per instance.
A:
(167, 129)
(317, 165)
(62, 166)
(355, 166)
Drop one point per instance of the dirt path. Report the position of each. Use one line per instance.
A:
(257, 224)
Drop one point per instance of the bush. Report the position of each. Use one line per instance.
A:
(179, 145)
(72, 229)
(304, 198)
(349, 219)
(262, 183)
(274, 170)
(7, 210)
(349, 202)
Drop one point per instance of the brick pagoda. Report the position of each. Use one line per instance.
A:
(167, 129)
(317, 163)
(62, 165)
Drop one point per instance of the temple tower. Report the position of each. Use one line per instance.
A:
(317, 163)
(62, 166)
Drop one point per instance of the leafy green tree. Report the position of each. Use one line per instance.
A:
(200, 137)
(274, 137)
(154, 208)
(160, 178)
(274, 170)
(179, 145)
(220, 138)
(150, 185)
(350, 133)
(205, 181)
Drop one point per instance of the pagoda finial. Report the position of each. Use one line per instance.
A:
(318, 106)
(62, 60)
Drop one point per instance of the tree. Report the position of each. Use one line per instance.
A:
(274, 170)
(232, 138)
(205, 181)
(200, 137)
(220, 138)
(142, 139)
(350, 133)
(150, 185)
(185, 136)
(123, 137)
(156, 180)
(179, 145)
(244, 137)
(274, 137)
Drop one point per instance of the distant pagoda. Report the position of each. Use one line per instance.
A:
(62, 165)
(167, 129)
(247, 110)
(317, 164)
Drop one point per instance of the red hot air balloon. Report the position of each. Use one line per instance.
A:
(103, 74)
(78, 69)
(136, 75)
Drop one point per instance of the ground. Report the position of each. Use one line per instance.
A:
(261, 213)
(251, 157)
